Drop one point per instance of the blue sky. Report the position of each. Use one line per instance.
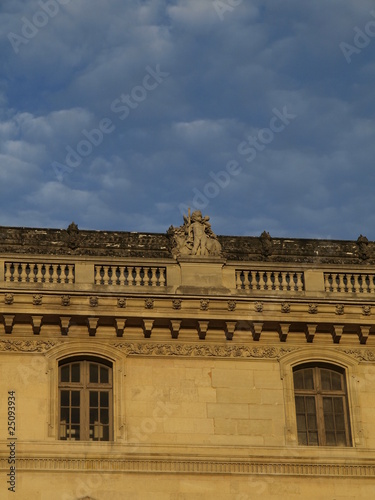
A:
(121, 114)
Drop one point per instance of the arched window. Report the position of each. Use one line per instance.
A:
(85, 399)
(321, 405)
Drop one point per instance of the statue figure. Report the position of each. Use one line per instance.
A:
(194, 237)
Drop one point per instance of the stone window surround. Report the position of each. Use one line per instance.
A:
(320, 355)
(100, 351)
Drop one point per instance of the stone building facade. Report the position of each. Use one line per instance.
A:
(185, 365)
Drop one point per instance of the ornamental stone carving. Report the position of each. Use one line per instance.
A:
(65, 300)
(339, 309)
(285, 307)
(363, 251)
(194, 237)
(37, 300)
(94, 301)
(232, 305)
(73, 236)
(366, 310)
(121, 302)
(176, 303)
(205, 303)
(313, 309)
(267, 244)
(9, 298)
(149, 303)
(258, 307)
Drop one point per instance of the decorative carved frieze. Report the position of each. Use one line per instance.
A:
(41, 346)
(202, 350)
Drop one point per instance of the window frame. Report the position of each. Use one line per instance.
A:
(94, 349)
(319, 394)
(85, 386)
(321, 354)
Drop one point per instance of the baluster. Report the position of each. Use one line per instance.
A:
(327, 286)
(97, 275)
(335, 282)
(350, 284)
(356, 285)
(238, 280)
(371, 286)
(137, 279)
(284, 283)
(53, 273)
(247, 280)
(121, 275)
(299, 284)
(70, 277)
(23, 273)
(268, 280)
(36, 273)
(8, 273)
(154, 278)
(163, 276)
(262, 280)
(106, 275)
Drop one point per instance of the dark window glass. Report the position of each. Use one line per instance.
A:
(321, 406)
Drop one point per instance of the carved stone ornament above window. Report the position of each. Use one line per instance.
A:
(194, 237)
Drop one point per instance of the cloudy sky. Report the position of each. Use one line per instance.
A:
(120, 114)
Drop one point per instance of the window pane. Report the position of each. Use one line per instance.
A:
(302, 438)
(75, 398)
(310, 404)
(300, 404)
(298, 379)
(74, 433)
(329, 422)
(75, 372)
(341, 438)
(338, 405)
(313, 438)
(64, 415)
(327, 405)
(64, 373)
(311, 423)
(104, 417)
(326, 379)
(93, 399)
(64, 398)
(308, 379)
(340, 422)
(75, 416)
(330, 439)
(104, 375)
(301, 423)
(104, 399)
(93, 416)
(336, 381)
(94, 373)
(105, 433)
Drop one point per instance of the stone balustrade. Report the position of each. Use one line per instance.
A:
(39, 272)
(270, 280)
(349, 282)
(127, 275)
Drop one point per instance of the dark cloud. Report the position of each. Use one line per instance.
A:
(224, 75)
